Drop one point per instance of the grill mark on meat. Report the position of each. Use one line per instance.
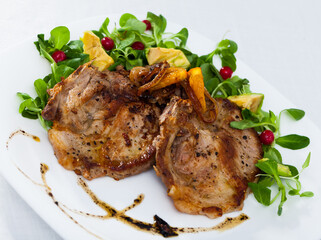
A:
(78, 70)
(213, 210)
(134, 109)
(127, 140)
(119, 166)
(150, 118)
(236, 181)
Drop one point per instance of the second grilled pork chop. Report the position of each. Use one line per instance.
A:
(100, 127)
(205, 166)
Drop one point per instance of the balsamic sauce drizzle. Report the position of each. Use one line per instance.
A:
(159, 226)
(43, 170)
(22, 132)
(35, 138)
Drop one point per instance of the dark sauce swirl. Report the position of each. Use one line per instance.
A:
(159, 226)
(21, 132)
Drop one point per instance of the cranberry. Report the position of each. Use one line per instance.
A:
(59, 56)
(138, 46)
(267, 137)
(226, 72)
(107, 43)
(148, 24)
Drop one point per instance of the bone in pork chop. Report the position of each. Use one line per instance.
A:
(205, 166)
(100, 127)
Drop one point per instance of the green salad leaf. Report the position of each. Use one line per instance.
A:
(307, 194)
(261, 193)
(293, 141)
(132, 24)
(296, 114)
(159, 24)
(226, 49)
(273, 153)
(281, 175)
(59, 36)
(306, 162)
(103, 29)
(124, 18)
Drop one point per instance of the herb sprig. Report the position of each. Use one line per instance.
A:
(59, 40)
(284, 176)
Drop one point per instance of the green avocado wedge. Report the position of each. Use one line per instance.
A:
(251, 101)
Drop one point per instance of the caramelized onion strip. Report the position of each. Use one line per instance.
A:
(172, 75)
(214, 107)
(196, 81)
(137, 74)
(160, 72)
(210, 115)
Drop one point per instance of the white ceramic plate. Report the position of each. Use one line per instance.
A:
(21, 65)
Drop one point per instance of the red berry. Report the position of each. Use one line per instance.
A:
(59, 56)
(148, 24)
(138, 46)
(108, 43)
(267, 137)
(226, 72)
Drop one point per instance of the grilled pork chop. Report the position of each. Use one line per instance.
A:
(100, 127)
(205, 166)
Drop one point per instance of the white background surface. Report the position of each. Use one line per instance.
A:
(279, 40)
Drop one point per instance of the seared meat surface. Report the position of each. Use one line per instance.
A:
(87, 98)
(162, 96)
(205, 166)
(100, 127)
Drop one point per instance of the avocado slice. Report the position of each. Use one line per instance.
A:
(251, 101)
(93, 47)
(283, 170)
(174, 57)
